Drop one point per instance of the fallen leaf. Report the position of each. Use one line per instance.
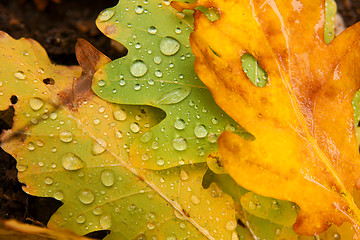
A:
(305, 149)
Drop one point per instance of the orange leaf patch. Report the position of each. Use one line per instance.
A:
(305, 149)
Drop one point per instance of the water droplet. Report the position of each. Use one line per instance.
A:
(179, 124)
(134, 127)
(160, 162)
(105, 221)
(59, 195)
(99, 146)
(150, 225)
(21, 168)
(231, 225)
(66, 136)
(174, 96)
(48, 181)
(118, 134)
(31, 146)
(97, 211)
(81, 219)
(139, 9)
(72, 162)
(184, 175)
(212, 138)
(194, 199)
(141, 237)
(20, 75)
(275, 206)
(234, 236)
(158, 73)
(146, 137)
(152, 29)
(106, 15)
(180, 144)
(101, 83)
(252, 205)
(337, 236)
(138, 69)
(214, 121)
(107, 178)
(53, 115)
(36, 103)
(137, 87)
(215, 190)
(157, 59)
(180, 15)
(177, 30)
(120, 115)
(200, 131)
(137, 45)
(169, 46)
(96, 121)
(86, 196)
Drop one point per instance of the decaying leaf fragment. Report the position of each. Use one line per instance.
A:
(305, 149)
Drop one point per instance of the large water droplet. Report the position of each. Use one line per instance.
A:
(157, 59)
(179, 124)
(99, 146)
(48, 181)
(150, 225)
(200, 131)
(120, 115)
(105, 221)
(81, 219)
(180, 144)
(195, 199)
(139, 9)
(152, 30)
(20, 75)
(158, 73)
(107, 178)
(31, 146)
(66, 136)
(134, 127)
(169, 46)
(36, 103)
(59, 195)
(160, 162)
(106, 15)
(72, 162)
(86, 196)
(184, 175)
(231, 225)
(174, 96)
(138, 69)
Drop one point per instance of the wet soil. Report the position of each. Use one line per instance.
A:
(57, 26)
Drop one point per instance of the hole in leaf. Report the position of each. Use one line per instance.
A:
(253, 71)
(98, 234)
(13, 99)
(211, 13)
(216, 54)
(49, 81)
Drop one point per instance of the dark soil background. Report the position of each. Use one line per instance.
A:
(56, 25)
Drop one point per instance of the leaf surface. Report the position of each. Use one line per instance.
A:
(73, 146)
(305, 149)
(158, 71)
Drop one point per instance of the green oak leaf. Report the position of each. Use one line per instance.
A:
(158, 71)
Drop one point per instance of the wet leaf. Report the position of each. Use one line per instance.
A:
(158, 71)
(13, 230)
(305, 149)
(73, 146)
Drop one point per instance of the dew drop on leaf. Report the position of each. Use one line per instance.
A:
(97, 211)
(99, 146)
(105, 221)
(20, 75)
(36, 103)
(72, 162)
(139, 9)
(180, 144)
(160, 162)
(59, 195)
(107, 178)
(275, 205)
(169, 46)
(86, 196)
(66, 136)
(174, 96)
(120, 115)
(195, 199)
(150, 225)
(134, 127)
(81, 219)
(179, 124)
(106, 15)
(231, 225)
(184, 175)
(146, 137)
(200, 131)
(48, 181)
(152, 29)
(158, 73)
(138, 68)
(157, 59)
(212, 138)
(31, 146)
(101, 83)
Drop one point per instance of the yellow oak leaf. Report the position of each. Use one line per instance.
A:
(305, 149)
